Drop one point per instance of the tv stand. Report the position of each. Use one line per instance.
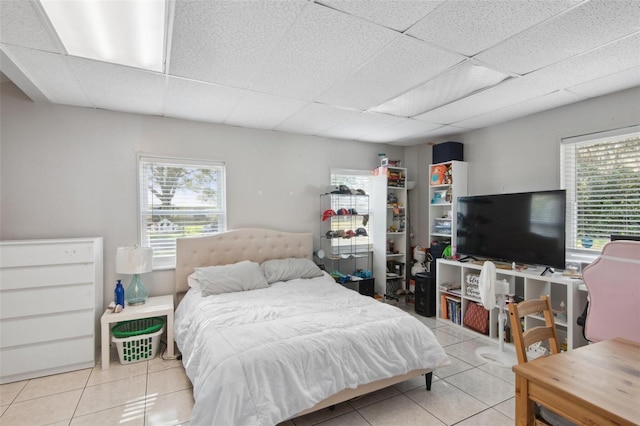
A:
(524, 284)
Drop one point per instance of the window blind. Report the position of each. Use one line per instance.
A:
(178, 198)
(601, 173)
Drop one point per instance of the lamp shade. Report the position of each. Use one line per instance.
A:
(134, 260)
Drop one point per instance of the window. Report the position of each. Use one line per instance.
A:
(179, 198)
(601, 173)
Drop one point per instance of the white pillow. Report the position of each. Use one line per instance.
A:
(289, 269)
(239, 276)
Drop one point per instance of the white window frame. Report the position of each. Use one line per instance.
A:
(569, 173)
(168, 259)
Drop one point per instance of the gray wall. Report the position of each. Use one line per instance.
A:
(71, 172)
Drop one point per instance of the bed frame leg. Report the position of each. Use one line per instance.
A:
(428, 378)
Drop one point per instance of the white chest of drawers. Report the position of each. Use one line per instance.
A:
(50, 303)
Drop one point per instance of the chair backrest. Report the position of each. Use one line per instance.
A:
(613, 282)
(523, 340)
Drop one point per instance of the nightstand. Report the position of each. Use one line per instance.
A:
(157, 306)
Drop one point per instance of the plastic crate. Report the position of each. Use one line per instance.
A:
(138, 340)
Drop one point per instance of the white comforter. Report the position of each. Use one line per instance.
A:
(260, 357)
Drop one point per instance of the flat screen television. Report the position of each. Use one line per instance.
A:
(526, 228)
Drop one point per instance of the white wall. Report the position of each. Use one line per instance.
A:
(71, 172)
(524, 154)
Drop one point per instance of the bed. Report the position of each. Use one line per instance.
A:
(298, 345)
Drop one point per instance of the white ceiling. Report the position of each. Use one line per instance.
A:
(328, 67)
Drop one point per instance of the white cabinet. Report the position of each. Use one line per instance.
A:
(454, 282)
(448, 181)
(390, 227)
(50, 302)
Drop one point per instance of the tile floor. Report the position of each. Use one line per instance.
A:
(157, 392)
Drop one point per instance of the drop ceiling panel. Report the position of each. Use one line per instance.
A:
(227, 42)
(262, 111)
(364, 123)
(456, 83)
(23, 24)
(314, 118)
(622, 54)
(552, 100)
(608, 84)
(403, 130)
(585, 27)
(50, 73)
(402, 65)
(194, 100)
(120, 88)
(323, 47)
(469, 27)
(395, 14)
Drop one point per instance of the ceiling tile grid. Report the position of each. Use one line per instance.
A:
(22, 23)
(52, 74)
(542, 103)
(399, 67)
(323, 46)
(228, 42)
(119, 88)
(469, 27)
(398, 15)
(349, 69)
(580, 29)
(262, 111)
(195, 100)
(314, 118)
(610, 83)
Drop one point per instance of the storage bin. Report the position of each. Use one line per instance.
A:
(138, 340)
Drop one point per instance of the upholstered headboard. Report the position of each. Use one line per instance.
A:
(253, 244)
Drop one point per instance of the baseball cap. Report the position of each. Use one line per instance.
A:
(361, 232)
(328, 213)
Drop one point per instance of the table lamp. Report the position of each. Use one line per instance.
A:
(134, 261)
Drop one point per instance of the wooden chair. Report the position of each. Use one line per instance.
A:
(522, 340)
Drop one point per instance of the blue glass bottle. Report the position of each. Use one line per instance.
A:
(119, 294)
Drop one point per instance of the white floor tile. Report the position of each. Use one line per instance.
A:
(167, 381)
(170, 409)
(123, 415)
(51, 385)
(9, 391)
(129, 392)
(116, 372)
(456, 366)
(483, 386)
(466, 351)
(447, 403)
(42, 411)
(487, 417)
(507, 408)
(398, 410)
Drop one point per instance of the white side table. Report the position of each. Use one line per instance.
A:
(153, 307)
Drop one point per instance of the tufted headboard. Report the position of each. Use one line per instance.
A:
(253, 244)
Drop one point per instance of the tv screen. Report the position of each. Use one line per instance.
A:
(526, 227)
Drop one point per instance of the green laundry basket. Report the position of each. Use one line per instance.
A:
(138, 340)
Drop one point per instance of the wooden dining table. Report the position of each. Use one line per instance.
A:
(597, 384)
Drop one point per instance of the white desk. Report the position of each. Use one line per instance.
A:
(153, 307)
